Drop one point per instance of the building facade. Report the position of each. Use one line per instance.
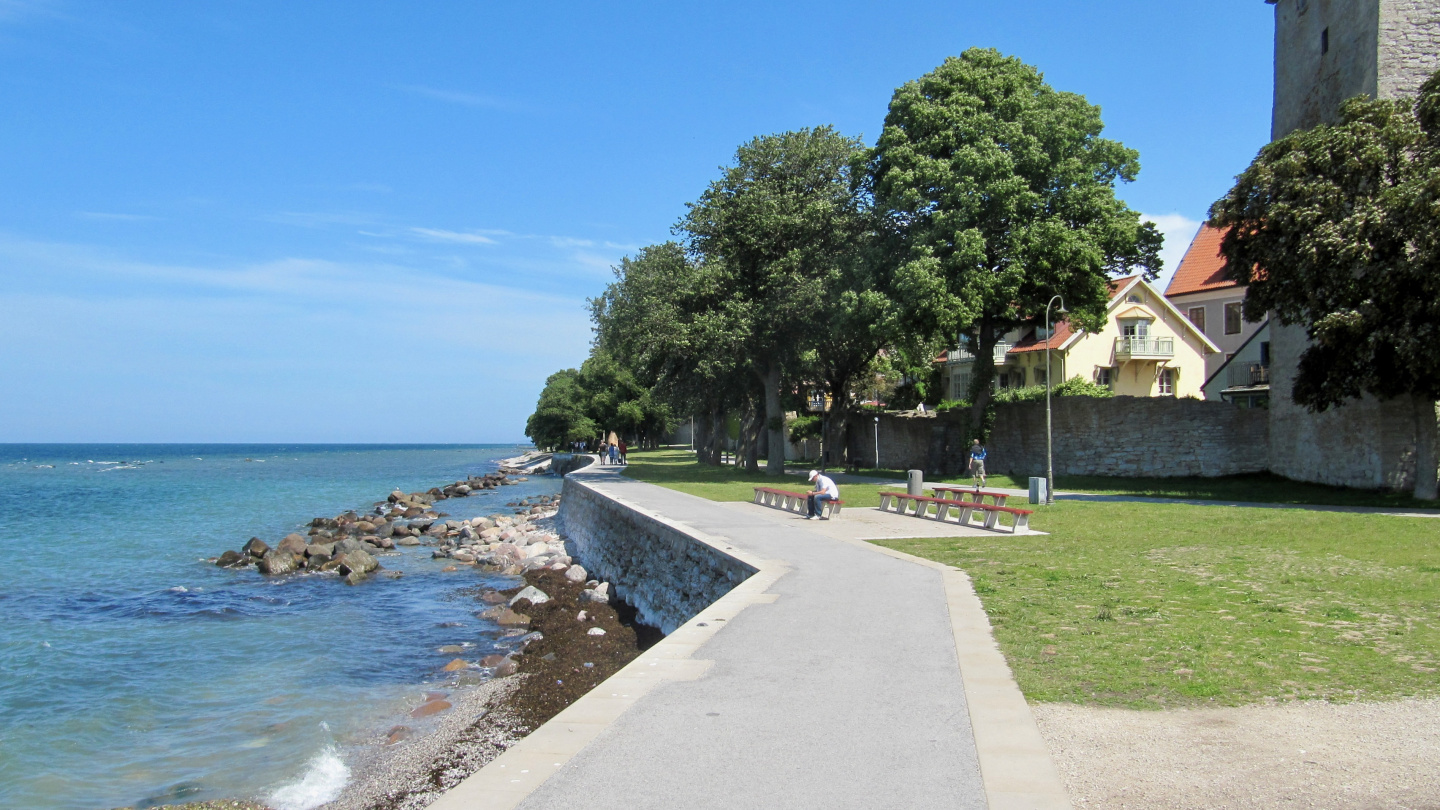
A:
(1204, 292)
(1147, 348)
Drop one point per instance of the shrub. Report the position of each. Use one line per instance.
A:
(805, 427)
(1074, 387)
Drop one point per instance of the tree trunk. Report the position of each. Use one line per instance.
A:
(839, 413)
(750, 437)
(718, 434)
(1427, 448)
(774, 421)
(981, 377)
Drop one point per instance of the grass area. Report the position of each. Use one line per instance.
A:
(677, 469)
(1160, 605)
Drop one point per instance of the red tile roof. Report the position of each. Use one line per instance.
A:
(1030, 343)
(1203, 268)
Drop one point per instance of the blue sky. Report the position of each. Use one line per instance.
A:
(360, 221)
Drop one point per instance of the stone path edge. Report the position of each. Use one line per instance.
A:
(1015, 763)
(511, 777)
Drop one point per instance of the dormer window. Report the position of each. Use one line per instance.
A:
(1041, 333)
(1133, 299)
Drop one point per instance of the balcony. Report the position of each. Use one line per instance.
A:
(1144, 348)
(1248, 375)
(963, 357)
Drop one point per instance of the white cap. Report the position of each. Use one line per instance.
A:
(814, 473)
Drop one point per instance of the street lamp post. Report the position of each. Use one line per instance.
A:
(1049, 431)
(877, 442)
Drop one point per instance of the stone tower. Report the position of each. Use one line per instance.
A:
(1327, 51)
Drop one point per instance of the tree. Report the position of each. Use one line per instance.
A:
(777, 228)
(1003, 192)
(559, 416)
(1337, 229)
(664, 319)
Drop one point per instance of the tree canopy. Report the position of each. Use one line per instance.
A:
(1337, 229)
(1002, 193)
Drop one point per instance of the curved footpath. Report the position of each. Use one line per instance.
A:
(839, 675)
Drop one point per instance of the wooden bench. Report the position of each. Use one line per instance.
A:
(959, 492)
(919, 506)
(792, 501)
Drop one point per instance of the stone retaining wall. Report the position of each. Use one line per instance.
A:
(667, 574)
(1123, 436)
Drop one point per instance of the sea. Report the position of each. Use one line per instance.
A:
(134, 672)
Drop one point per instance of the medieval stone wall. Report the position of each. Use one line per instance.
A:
(1123, 436)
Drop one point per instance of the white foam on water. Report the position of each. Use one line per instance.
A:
(322, 782)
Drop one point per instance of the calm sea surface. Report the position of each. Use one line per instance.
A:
(132, 672)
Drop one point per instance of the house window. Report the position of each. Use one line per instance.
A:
(1265, 353)
(1102, 376)
(1167, 382)
(960, 385)
(1133, 299)
(1197, 317)
(1234, 313)
(1040, 376)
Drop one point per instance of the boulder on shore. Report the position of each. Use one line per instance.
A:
(231, 559)
(292, 544)
(277, 562)
(256, 547)
(356, 561)
(532, 593)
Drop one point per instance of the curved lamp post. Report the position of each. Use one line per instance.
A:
(1049, 432)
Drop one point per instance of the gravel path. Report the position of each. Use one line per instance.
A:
(1356, 755)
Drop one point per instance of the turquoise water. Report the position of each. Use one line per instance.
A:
(134, 672)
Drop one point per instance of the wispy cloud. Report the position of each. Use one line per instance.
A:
(454, 96)
(461, 237)
(112, 217)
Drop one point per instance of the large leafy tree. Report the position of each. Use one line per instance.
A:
(1337, 229)
(778, 229)
(1003, 192)
(560, 416)
(664, 318)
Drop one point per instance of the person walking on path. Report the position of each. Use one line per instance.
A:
(604, 452)
(977, 463)
(825, 490)
(614, 454)
(623, 448)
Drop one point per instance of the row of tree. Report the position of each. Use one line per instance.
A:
(813, 258)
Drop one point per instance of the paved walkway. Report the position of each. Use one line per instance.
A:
(842, 675)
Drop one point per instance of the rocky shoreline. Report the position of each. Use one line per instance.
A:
(566, 631)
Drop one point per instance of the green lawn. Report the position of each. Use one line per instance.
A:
(1159, 605)
(1254, 488)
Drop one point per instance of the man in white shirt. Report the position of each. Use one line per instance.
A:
(825, 490)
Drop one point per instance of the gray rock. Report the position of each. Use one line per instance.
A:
(232, 559)
(320, 549)
(292, 544)
(595, 631)
(576, 574)
(532, 593)
(407, 541)
(317, 562)
(277, 562)
(256, 547)
(357, 560)
(346, 546)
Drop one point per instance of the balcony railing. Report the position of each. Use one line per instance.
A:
(961, 356)
(1248, 375)
(1133, 347)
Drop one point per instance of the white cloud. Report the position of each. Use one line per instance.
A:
(102, 215)
(462, 237)
(454, 97)
(1179, 230)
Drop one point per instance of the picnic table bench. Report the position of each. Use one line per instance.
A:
(919, 506)
(960, 492)
(792, 501)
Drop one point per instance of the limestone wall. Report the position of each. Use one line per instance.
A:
(667, 574)
(1124, 436)
(1409, 45)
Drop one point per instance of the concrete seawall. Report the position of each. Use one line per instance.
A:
(665, 572)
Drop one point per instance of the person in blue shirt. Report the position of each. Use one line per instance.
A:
(977, 463)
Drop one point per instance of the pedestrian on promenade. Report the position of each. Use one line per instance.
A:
(977, 463)
(825, 490)
(623, 448)
(604, 452)
(614, 454)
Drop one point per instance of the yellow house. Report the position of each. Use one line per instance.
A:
(1146, 349)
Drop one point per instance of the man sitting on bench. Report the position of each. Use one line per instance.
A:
(825, 490)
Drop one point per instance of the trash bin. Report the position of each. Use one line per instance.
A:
(916, 484)
(1037, 490)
